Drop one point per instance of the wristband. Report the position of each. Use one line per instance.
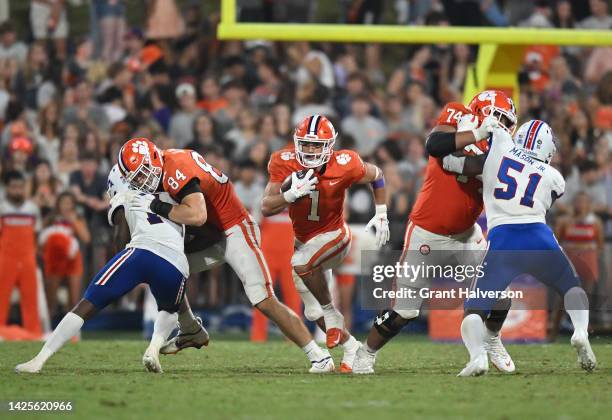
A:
(161, 208)
(379, 183)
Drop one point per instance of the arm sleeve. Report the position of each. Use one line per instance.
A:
(193, 186)
(440, 144)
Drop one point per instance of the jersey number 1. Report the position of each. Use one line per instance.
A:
(511, 185)
(313, 216)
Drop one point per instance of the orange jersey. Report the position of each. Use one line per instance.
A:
(323, 209)
(222, 205)
(18, 226)
(448, 203)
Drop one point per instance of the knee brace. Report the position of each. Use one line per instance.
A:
(389, 323)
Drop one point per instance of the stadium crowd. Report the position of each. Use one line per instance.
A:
(67, 103)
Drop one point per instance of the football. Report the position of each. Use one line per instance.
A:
(287, 182)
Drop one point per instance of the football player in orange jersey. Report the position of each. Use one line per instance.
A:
(443, 220)
(316, 206)
(206, 195)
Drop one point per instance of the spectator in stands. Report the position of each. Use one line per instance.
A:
(367, 130)
(181, 123)
(48, 21)
(211, 101)
(89, 189)
(205, 134)
(65, 229)
(599, 19)
(111, 21)
(249, 186)
(44, 187)
(10, 47)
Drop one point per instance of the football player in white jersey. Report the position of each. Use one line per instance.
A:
(151, 252)
(519, 186)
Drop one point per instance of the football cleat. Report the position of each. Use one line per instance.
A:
(499, 355)
(33, 366)
(324, 365)
(333, 336)
(150, 360)
(478, 366)
(346, 366)
(364, 362)
(586, 357)
(183, 340)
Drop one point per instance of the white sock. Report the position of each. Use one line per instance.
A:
(577, 307)
(313, 351)
(69, 326)
(164, 324)
(333, 318)
(473, 333)
(350, 344)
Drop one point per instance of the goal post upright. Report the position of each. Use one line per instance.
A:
(499, 58)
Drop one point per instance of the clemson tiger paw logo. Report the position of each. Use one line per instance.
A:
(343, 158)
(140, 147)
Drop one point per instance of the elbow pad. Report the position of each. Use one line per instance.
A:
(440, 144)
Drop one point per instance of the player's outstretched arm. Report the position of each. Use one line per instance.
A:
(191, 211)
(121, 230)
(273, 201)
(464, 165)
(444, 139)
(380, 222)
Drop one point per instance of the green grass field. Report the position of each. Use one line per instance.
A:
(237, 379)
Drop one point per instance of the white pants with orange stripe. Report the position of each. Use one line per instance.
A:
(325, 251)
(422, 247)
(241, 250)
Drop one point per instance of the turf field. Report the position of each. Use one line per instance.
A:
(237, 379)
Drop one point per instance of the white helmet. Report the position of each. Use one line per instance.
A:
(116, 182)
(536, 139)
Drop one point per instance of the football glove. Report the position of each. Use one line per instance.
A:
(300, 186)
(468, 122)
(380, 223)
(141, 202)
(489, 124)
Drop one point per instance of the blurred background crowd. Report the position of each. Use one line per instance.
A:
(78, 78)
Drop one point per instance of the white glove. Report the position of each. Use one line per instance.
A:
(489, 124)
(140, 202)
(380, 223)
(467, 122)
(300, 187)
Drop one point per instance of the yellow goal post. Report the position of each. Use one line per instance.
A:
(499, 56)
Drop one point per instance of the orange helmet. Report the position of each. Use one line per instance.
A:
(497, 104)
(140, 162)
(314, 140)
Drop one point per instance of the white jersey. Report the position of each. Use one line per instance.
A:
(154, 233)
(517, 188)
